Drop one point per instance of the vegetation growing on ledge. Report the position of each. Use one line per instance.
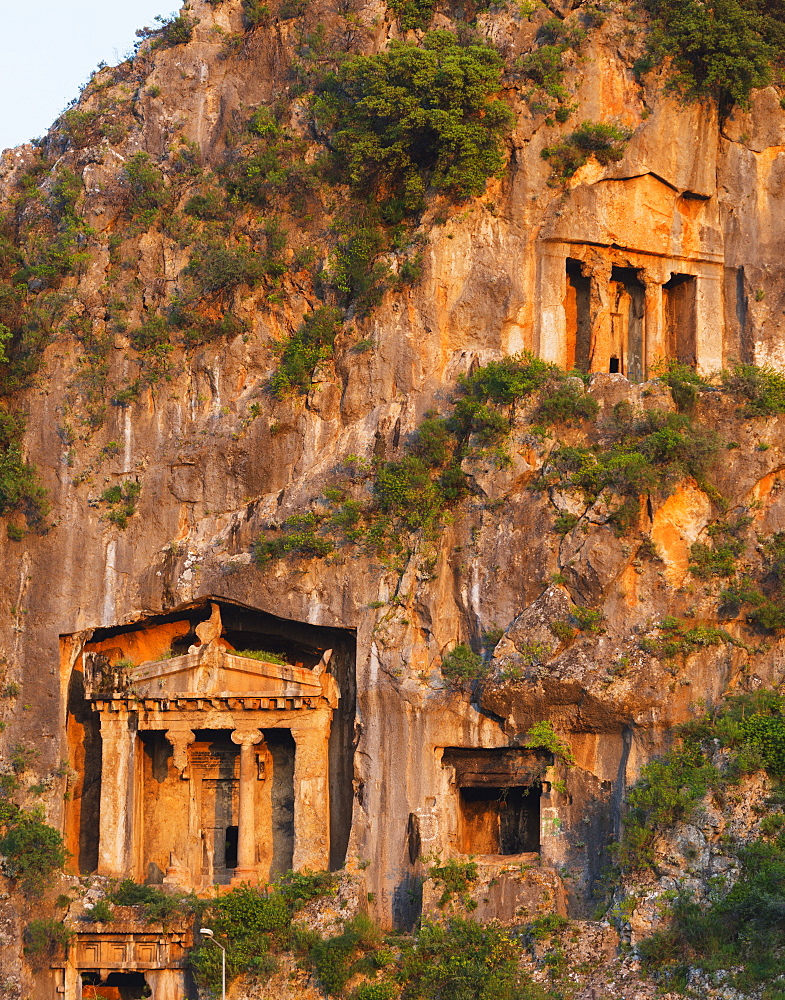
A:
(122, 499)
(723, 49)
(606, 143)
(740, 925)
(34, 851)
(414, 116)
(395, 500)
(20, 487)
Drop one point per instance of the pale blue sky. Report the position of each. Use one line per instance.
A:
(48, 48)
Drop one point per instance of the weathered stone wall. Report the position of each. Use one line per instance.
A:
(213, 475)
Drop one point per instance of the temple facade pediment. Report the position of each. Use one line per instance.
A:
(209, 672)
(210, 747)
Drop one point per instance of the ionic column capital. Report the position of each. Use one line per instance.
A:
(246, 737)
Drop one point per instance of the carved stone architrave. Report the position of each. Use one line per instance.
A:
(181, 739)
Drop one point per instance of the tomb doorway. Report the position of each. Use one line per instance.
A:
(679, 294)
(116, 986)
(577, 308)
(500, 820)
(624, 350)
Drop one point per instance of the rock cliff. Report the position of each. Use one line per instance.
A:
(169, 250)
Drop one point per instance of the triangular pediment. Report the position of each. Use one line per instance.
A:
(213, 672)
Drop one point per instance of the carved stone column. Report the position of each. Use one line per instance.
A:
(312, 792)
(654, 322)
(118, 780)
(246, 833)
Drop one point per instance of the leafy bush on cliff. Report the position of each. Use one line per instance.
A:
(762, 389)
(741, 928)
(763, 600)
(414, 116)
(464, 959)
(20, 487)
(46, 940)
(33, 850)
(724, 49)
(606, 143)
(641, 455)
(751, 727)
(412, 14)
(299, 355)
(462, 667)
(146, 186)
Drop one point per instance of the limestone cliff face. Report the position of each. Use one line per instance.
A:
(219, 459)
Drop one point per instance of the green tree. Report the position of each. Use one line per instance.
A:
(724, 48)
(418, 115)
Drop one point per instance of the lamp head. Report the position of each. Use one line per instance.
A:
(205, 932)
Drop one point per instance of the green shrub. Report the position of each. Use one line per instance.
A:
(154, 332)
(299, 536)
(564, 522)
(260, 654)
(724, 49)
(676, 639)
(46, 940)
(34, 852)
(587, 619)
(544, 65)
(178, 30)
(122, 499)
(215, 268)
(543, 928)
(507, 381)
(414, 116)
(646, 455)
(606, 143)
(684, 382)
(255, 13)
(207, 207)
(739, 929)
(101, 912)
(762, 390)
(564, 403)
(464, 960)
(354, 271)
(80, 125)
(146, 184)
(298, 888)
(157, 906)
(381, 990)
(20, 487)
(412, 14)
(462, 667)
(334, 959)
(299, 355)
(455, 877)
(542, 736)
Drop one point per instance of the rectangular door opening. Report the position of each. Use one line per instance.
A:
(679, 296)
(577, 311)
(500, 820)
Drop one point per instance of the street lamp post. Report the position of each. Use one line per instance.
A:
(207, 933)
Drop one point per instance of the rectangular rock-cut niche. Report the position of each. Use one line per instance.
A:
(624, 350)
(498, 799)
(577, 311)
(155, 739)
(679, 302)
